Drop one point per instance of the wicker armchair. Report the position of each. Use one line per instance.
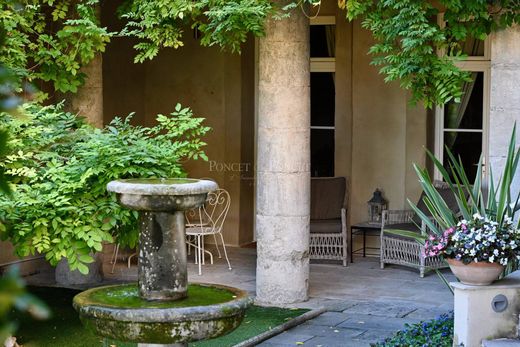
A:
(401, 250)
(328, 225)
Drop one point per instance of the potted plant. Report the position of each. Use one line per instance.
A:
(478, 249)
(482, 239)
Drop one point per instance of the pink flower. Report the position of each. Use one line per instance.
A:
(448, 231)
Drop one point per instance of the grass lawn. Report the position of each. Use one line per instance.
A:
(65, 330)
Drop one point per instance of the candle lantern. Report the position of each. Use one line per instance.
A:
(376, 205)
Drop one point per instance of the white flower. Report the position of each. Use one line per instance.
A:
(495, 252)
(491, 259)
(472, 252)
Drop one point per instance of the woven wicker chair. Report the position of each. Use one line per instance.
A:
(328, 225)
(401, 250)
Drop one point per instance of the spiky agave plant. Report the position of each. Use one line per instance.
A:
(496, 202)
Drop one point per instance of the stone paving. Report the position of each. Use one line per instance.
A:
(364, 303)
(359, 324)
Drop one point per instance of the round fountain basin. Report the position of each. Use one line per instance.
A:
(157, 194)
(119, 313)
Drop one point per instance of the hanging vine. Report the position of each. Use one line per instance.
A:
(50, 40)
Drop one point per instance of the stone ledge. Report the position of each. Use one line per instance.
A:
(510, 282)
(501, 343)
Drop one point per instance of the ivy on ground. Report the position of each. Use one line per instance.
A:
(433, 333)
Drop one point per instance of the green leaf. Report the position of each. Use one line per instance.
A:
(83, 268)
(85, 258)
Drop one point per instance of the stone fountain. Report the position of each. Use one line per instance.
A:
(162, 309)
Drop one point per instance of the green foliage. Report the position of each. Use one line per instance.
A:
(60, 167)
(161, 23)
(50, 40)
(409, 37)
(497, 204)
(433, 333)
(14, 296)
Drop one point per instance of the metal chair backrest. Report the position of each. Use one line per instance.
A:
(196, 216)
(216, 208)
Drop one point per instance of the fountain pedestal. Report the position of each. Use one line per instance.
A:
(162, 310)
(162, 256)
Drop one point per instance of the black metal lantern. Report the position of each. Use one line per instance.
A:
(376, 205)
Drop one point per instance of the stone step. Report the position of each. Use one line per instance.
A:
(501, 343)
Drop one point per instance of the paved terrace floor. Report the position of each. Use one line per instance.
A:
(364, 303)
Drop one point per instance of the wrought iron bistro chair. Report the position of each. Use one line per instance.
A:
(328, 224)
(208, 220)
(402, 250)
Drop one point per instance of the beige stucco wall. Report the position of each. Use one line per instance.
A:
(388, 134)
(378, 134)
(215, 85)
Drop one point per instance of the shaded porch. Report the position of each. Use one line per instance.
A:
(330, 283)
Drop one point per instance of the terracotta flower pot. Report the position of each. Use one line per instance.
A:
(475, 274)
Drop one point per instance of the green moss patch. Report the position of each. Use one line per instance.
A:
(256, 321)
(64, 329)
(127, 296)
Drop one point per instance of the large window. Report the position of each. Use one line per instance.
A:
(323, 95)
(463, 127)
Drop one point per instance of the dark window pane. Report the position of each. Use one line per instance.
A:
(471, 47)
(322, 152)
(468, 146)
(323, 39)
(323, 95)
(468, 113)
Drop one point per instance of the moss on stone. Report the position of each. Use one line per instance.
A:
(127, 296)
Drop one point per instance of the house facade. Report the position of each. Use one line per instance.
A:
(305, 102)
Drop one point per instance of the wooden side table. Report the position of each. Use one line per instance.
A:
(365, 229)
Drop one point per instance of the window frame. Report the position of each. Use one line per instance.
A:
(322, 64)
(472, 64)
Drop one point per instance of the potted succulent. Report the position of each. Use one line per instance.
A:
(482, 239)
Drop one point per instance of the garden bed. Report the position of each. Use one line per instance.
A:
(433, 333)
